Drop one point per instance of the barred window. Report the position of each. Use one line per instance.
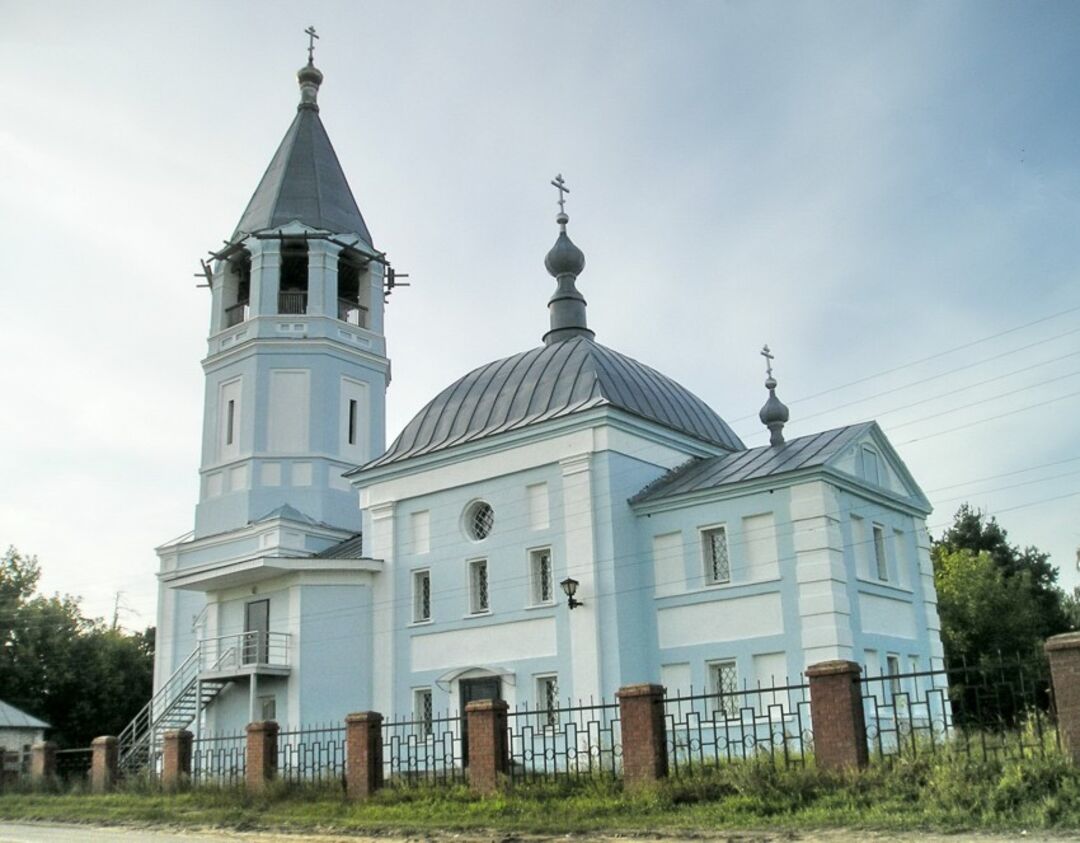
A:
(542, 586)
(724, 679)
(715, 550)
(478, 586)
(423, 712)
(421, 596)
(547, 701)
(879, 553)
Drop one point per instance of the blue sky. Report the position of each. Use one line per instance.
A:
(861, 185)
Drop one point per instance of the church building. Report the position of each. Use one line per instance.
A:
(555, 524)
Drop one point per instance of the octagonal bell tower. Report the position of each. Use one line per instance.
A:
(296, 370)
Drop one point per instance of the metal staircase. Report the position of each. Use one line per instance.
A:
(176, 705)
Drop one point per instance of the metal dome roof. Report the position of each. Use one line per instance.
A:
(552, 382)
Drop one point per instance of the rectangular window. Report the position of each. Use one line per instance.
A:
(421, 596)
(724, 682)
(714, 548)
(352, 421)
(478, 586)
(230, 422)
(879, 553)
(892, 662)
(540, 570)
(871, 471)
(422, 711)
(268, 708)
(547, 701)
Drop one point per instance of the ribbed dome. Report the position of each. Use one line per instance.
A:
(552, 382)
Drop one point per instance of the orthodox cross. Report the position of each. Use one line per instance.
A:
(310, 31)
(768, 355)
(560, 185)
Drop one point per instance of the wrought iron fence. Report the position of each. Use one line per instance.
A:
(573, 741)
(73, 765)
(314, 754)
(704, 730)
(1002, 708)
(424, 749)
(219, 759)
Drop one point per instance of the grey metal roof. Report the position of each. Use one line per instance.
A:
(288, 511)
(548, 383)
(304, 182)
(752, 464)
(350, 548)
(13, 718)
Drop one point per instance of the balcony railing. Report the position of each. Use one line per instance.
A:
(244, 649)
(292, 302)
(236, 314)
(352, 312)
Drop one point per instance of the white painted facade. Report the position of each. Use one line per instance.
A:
(829, 561)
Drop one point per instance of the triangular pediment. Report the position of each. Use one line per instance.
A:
(871, 460)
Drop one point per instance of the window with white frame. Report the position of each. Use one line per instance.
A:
(478, 586)
(714, 549)
(421, 596)
(547, 701)
(724, 684)
(268, 708)
(892, 667)
(543, 590)
(422, 711)
(880, 559)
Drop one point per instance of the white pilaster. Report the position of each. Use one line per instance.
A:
(322, 278)
(265, 276)
(579, 533)
(382, 608)
(930, 601)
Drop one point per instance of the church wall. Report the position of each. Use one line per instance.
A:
(332, 658)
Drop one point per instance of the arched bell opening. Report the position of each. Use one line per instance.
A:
(237, 289)
(354, 289)
(293, 289)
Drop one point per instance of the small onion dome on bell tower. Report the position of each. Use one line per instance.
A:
(309, 76)
(565, 261)
(774, 414)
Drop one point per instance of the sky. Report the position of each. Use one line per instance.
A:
(886, 193)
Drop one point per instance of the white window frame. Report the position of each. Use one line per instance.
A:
(474, 586)
(269, 700)
(418, 577)
(424, 712)
(547, 717)
(708, 566)
(892, 672)
(535, 577)
(881, 555)
(728, 707)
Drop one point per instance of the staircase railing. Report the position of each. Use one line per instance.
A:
(136, 735)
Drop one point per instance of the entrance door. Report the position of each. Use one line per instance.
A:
(483, 688)
(256, 632)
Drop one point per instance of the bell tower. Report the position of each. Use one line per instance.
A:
(296, 369)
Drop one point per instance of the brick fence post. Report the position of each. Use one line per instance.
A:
(43, 762)
(363, 754)
(489, 757)
(7, 774)
(836, 712)
(176, 759)
(644, 734)
(1064, 654)
(261, 755)
(104, 763)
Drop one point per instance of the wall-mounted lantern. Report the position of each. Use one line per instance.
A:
(569, 587)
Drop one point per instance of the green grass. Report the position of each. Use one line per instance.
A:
(943, 793)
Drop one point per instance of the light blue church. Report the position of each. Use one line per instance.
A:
(557, 523)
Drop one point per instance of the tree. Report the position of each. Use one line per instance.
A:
(992, 596)
(80, 676)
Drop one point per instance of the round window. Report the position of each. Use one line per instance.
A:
(479, 519)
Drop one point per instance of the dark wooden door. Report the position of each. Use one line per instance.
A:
(256, 632)
(484, 688)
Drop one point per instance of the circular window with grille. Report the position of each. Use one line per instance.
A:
(479, 519)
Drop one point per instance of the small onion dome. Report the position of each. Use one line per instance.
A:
(310, 78)
(774, 414)
(564, 258)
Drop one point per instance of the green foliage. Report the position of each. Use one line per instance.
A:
(75, 673)
(994, 597)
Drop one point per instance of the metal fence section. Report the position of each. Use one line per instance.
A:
(219, 759)
(424, 749)
(704, 730)
(314, 754)
(1002, 708)
(73, 765)
(574, 741)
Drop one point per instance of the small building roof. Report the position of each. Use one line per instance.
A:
(304, 182)
(712, 472)
(13, 718)
(551, 382)
(350, 548)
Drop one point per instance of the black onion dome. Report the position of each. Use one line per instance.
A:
(551, 382)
